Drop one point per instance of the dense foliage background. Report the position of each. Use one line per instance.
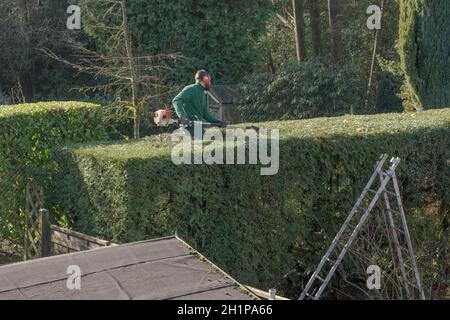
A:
(298, 91)
(238, 41)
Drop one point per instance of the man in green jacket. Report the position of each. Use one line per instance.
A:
(190, 103)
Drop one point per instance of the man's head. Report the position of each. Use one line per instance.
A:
(203, 78)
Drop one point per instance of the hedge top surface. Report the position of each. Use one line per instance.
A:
(318, 128)
(27, 108)
(361, 125)
(145, 148)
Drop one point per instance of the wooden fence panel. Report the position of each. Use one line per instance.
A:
(66, 241)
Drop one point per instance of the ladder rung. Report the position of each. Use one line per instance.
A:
(398, 230)
(320, 278)
(351, 226)
(412, 284)
(363, 209)
(309, 296)
(406, 250)
(330, 261)
(342, 243)
(394, 211)
(390, 193)
(407, 266)
(371, 190)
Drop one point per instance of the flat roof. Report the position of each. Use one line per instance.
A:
(159, 269)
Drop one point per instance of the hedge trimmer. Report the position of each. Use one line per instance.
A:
(163, 118)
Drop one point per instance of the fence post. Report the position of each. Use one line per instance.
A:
(46, 233)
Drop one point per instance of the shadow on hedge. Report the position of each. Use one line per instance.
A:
(260, 228)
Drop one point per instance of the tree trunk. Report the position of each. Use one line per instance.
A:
(270, 63)
(300, 46)
(27, 87)
(334, 13)
(27, 76)
(132, 66)
(372, 65)
(316, 33)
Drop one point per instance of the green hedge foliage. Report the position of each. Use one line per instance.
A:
(259, 228)
(28, 134)
(302, 91)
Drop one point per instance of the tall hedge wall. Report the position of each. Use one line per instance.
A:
(259, 227)
(28, 134)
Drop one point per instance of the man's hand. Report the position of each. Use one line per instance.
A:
(185, 121)
(221, 124)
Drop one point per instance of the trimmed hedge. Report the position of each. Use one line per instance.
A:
(28, 134)
(259, 227)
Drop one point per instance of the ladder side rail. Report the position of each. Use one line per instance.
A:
(398, 250)
(343, 227)
(353, 236)
(385, 213)
(396, 247)
(407, 236)
(386, 222)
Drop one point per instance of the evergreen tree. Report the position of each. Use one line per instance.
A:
(424, 49)
(218, 35)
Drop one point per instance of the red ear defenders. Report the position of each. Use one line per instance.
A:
(202, 75)
(205, 79)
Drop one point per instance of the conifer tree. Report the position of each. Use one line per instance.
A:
(424, 49)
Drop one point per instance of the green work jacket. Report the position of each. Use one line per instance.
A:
(191, 103)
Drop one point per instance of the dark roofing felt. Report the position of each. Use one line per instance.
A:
(155, 269)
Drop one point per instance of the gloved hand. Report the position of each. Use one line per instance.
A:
(185, 121)
(221, 124)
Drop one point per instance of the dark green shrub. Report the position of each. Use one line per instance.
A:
(260, 227)
(28, 134)
(390, 80)
(388, 93)
(301, 91)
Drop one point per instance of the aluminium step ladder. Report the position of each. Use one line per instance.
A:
(398, 230)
